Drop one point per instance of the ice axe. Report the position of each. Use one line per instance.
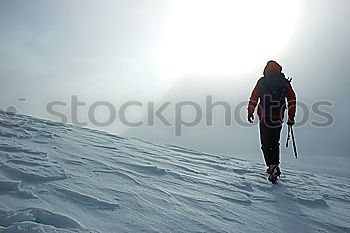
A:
(290, 131)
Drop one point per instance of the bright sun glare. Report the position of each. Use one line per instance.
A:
(225, 36)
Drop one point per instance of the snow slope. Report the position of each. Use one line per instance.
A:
(60, 178)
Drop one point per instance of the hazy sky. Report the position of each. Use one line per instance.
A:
(178, 50)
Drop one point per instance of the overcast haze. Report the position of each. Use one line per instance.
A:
(112, 51)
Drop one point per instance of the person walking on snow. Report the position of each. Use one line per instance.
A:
(271, 91)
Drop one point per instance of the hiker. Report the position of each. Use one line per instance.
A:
(272, 90)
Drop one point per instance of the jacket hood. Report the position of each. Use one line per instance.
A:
(272, 66)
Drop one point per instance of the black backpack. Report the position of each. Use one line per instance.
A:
(273, 92)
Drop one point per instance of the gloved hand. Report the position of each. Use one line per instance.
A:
(250, 118)
(290, 122)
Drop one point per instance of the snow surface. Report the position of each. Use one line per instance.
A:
(61, 178)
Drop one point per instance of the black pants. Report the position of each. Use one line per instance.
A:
(270, 133)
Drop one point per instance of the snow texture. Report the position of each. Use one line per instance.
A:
(61, 178)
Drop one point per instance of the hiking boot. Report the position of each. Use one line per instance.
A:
(275, 173)
(270, 168)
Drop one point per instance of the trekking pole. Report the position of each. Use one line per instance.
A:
(288, 135)
(294, 145)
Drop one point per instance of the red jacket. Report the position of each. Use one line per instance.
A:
(273, 66)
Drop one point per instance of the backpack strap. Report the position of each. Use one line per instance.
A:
(285, 88)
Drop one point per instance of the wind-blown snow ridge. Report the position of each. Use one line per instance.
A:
(60, 178)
